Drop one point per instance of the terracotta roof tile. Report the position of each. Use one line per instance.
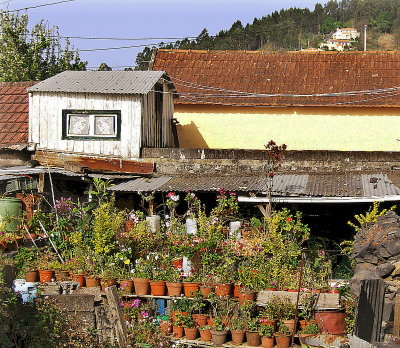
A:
(217, 77)
(14, 110)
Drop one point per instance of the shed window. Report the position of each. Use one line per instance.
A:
(91, 124)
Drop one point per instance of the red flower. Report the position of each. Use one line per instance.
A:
(289, 219)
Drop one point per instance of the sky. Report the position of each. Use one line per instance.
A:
(142, 19)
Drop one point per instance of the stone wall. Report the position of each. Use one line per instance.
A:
(377, 256)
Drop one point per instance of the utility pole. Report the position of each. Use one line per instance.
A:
(365, 37)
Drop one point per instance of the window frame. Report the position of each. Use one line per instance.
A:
(92, 116)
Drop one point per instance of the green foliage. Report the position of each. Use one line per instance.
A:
(33, 55)
(266, 331)
(311, 328)
(107, 223)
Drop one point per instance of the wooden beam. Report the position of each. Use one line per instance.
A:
(116, 313)
(396, 324)
(259, 206)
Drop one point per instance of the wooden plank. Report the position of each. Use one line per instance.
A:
(396, 325)
(116, 312)
(368, 324)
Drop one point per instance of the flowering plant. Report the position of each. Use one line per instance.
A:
(227, 205)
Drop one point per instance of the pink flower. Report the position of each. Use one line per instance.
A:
(321, 252)
(170, 194)
(145, 314)
(136, 303)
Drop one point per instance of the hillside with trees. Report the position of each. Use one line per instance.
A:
(296, 29)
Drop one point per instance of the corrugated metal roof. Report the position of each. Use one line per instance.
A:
(207, 77)
(24, 170)
(303, 185)
(106, 82)
(141, 185)
(378, 185)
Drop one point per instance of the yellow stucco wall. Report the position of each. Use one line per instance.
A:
(343, 129)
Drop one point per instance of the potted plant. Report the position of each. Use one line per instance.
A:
(191, 285)
(285, 311)
(238, 328)
(282, 336)
(142, 274)
(219, 332)
(308, 302)
(197, 306)
(190, 327)
(165, 325)
(252, 336)
(44, 264)
(310, 329)
(205, 333)
(267, 336)
(268, 315)
(224, 276)
(178, 326)
(173, 283)
(180, 306)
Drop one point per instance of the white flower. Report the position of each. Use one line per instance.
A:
(175, 198)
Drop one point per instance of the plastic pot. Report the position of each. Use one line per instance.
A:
(219, 337)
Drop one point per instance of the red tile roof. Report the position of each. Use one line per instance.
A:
(14, 110)
(283, 78)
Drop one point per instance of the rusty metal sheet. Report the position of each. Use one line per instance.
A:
(378, 185)
(334, 185)
(141, 185)
(238, 77)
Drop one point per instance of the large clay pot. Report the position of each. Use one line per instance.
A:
(92, 282)
(248, 296)
(282, 341)
(158, 288)
(62, 276)
(174, 289)
(290, 324)
(236, 290)
(80, 278)
(331, 322)
(200, 319)
(223, 289)
(126, 286)
(205, 335)
(238, 336)
(177, 331)
(45, 275)
(190, 289)
(191, 333)
(142, 286)
(253, 338)
(206, 290)
(267, 342)
(219, 337)
(32, 276)
(166, 328)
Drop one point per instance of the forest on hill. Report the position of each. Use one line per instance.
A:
(296, 29)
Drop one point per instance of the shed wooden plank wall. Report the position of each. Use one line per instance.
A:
(45, 123)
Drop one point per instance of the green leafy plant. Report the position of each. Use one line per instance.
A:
(283, 330)
(266, 331)
(311, 328)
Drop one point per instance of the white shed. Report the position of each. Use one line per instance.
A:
(102, 113)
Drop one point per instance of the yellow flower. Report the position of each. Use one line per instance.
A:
(127, 262)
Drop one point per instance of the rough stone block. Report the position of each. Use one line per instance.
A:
(96, 292)
(393, 247)
(358, 277)
(49, 289)
(388, 310)
(73, 302)
(385, 269)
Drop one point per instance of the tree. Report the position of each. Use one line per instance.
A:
(103, 67)
(33, 55)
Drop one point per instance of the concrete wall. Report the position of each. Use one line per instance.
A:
(318, 128)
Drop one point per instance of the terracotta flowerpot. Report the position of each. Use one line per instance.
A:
(205, 335)
(331, 322)
(92, 282)
(247, 296)
(236, 290)
(219, 337)
(166, 328)
(177, 263)
(206, 290)
(105, 283)
(223, 289)
(31, 236)
(158, 288)
(32, 276)
(290, 324)
(174, 289)
(200, 319)
(45, 275)
(80, 278)
(238, 336)
(191, 333)
(293, 290)
(190, 289)
(62, 276)
(267, 342)
(126, 286)
(253, 338)
(271, 289)
(129, 224)
(268, 322)
(174, 313)
(178, 331)
(283, 341)
(142, 286)
(210, 321)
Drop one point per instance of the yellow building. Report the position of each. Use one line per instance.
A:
(309, 101)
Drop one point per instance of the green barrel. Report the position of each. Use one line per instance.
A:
(10, 214)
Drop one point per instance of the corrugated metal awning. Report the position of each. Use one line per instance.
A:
(141, 185)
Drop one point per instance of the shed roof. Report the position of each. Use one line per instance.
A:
(295, 185)
(105, 82)
(265, 78)
(14, 114)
